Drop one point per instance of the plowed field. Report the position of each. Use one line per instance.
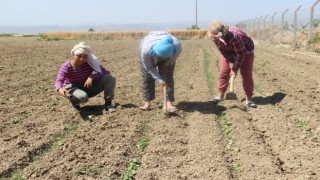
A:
(41, 137)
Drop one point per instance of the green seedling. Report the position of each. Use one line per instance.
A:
(236, 167)
(300, 124)
(131, 171)
(20, 118)
(141, 145)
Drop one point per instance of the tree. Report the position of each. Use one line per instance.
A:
(91, 30)
(194, 27)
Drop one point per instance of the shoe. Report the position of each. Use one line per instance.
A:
(216, 100)
(76, 107)
(251, 104)
(110, 109)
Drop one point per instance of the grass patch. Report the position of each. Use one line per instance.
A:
(20, 118)
(143, 128)
(17, 178)
(88, 171)
(265, 64)
(58, 142)
(208, 74)
(225, 124)
(5, 35)
(314, 40)
(258, 89)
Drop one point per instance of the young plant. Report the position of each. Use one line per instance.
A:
(20, 118)
(236, 167)
(141, 145)
(131, 171)
(300, 124)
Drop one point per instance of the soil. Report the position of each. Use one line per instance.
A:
(41, 136)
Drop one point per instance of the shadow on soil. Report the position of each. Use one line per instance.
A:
(274, 99)
(202, 107)
(88, 111)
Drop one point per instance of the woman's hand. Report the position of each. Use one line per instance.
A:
(162, 83)
(62, 92)
(232, 73)
(88, 82)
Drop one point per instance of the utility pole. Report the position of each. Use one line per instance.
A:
(197, 14)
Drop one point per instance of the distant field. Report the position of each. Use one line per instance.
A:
(42, 138)
(18, 39)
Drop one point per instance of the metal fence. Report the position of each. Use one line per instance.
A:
(287, 26)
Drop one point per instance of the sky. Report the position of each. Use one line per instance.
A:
(83, 12)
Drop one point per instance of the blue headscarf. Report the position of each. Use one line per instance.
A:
(164, 48)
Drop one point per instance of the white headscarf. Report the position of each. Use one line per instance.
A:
(92, 60)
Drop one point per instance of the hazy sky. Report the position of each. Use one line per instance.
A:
(79, 12)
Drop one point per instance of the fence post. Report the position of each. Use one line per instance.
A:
(295, 23)
(264, 26)
(258, 33)
(311, 19)
(282, 22)
(272, 32)
(254, 24)
(250, 26)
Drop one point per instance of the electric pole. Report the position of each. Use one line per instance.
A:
(197, 14)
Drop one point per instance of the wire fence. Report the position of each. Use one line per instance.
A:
(287, 26)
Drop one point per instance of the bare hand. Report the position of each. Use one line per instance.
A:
(88, 82)
(62, 92)
(232, 73)
(162, 83)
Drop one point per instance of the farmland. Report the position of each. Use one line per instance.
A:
(41, 137)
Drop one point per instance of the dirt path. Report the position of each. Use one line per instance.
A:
(42, 138)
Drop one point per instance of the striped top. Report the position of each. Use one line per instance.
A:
(68, 74)
(238, 44)
(148, 62)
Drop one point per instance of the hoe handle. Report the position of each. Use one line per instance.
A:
(165, 109)
(231, 83)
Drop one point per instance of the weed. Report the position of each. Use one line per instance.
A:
(309, 134)
(60, 139)
(17, 177)
(258, 89)
(131, 171)
(208, 74)
(20, 118)
(71, 127)
(53, 103)
(300, 124)
(88, 171)
(264, 64)
(313, 40)
(184, 38)
(143, 128)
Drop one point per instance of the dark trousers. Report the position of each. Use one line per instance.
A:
(148, 83)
